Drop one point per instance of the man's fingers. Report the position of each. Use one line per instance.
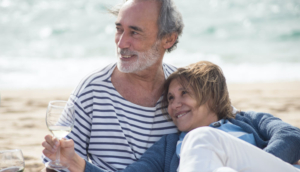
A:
(48, 139)
(66, 143)
(48, 147)
(47, 153)
(52, 141)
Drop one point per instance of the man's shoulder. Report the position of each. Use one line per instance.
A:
(168, 69)
(98, 76)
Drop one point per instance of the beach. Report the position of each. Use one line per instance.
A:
(22, 112)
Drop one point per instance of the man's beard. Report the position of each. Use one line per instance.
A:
(142, 61)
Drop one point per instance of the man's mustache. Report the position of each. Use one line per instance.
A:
(126, 52)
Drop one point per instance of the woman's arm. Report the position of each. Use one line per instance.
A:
(284, 139)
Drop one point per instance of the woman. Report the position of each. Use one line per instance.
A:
(197, 97)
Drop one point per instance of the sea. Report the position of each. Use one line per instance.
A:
(55, 43)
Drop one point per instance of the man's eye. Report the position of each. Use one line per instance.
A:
(118, 29)
(134, 32)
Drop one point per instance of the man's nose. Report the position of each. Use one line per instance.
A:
(123, 41)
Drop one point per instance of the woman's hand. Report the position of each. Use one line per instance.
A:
(67, 152)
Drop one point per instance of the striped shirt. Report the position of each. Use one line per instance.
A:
(111, 130)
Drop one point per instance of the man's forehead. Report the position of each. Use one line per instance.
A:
(141, 6)
(135, 11)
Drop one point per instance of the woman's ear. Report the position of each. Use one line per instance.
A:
(169, 40)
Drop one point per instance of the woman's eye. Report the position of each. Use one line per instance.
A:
(170, 98)
(184, 92)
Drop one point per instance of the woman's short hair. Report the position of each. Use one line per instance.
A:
(208, 84)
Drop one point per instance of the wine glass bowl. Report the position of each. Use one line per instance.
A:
(12, 161)
(60, 119)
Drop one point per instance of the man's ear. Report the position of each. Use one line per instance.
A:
(169, 40)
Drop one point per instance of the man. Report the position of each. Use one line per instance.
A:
(118, 111)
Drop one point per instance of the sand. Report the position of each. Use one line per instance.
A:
(22, 113)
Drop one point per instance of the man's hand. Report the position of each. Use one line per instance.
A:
(67, 152)
(52, 144)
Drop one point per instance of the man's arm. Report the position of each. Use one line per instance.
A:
(81, 132)
(152, 160)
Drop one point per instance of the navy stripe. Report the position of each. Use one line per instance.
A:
(113, 156)
(143, 141)
(83, 126)
(127, 129)
(104, 163)
(114, 101)
(81, 110)
(169, 69)
(104, 123)
(130, 112)
(77, 150)
(120, 137)
(113, 150)
(113, 111)
(120, 144)
(100, 91)
(148, 135)
(161, 128)
(109, 143)
(118, 163)
(106, 117)
(78, 144)
(109, 137)
(144, 122)
(79, 122)
(140, 147)
(79, 130)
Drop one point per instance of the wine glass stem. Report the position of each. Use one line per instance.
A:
(57, 161)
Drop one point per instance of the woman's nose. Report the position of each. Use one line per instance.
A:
(176, 103)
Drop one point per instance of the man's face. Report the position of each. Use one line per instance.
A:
(136, 36)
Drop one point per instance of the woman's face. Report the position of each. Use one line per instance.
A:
(184, 111)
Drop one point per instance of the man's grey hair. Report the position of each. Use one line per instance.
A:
(169, 20)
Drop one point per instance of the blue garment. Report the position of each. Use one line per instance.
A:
(179, 143)
(234, 130)
(225, 126)
(271, 134)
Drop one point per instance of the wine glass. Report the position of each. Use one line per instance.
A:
(11, 161)
(60, 119)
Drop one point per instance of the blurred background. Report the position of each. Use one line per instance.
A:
(54, 44)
